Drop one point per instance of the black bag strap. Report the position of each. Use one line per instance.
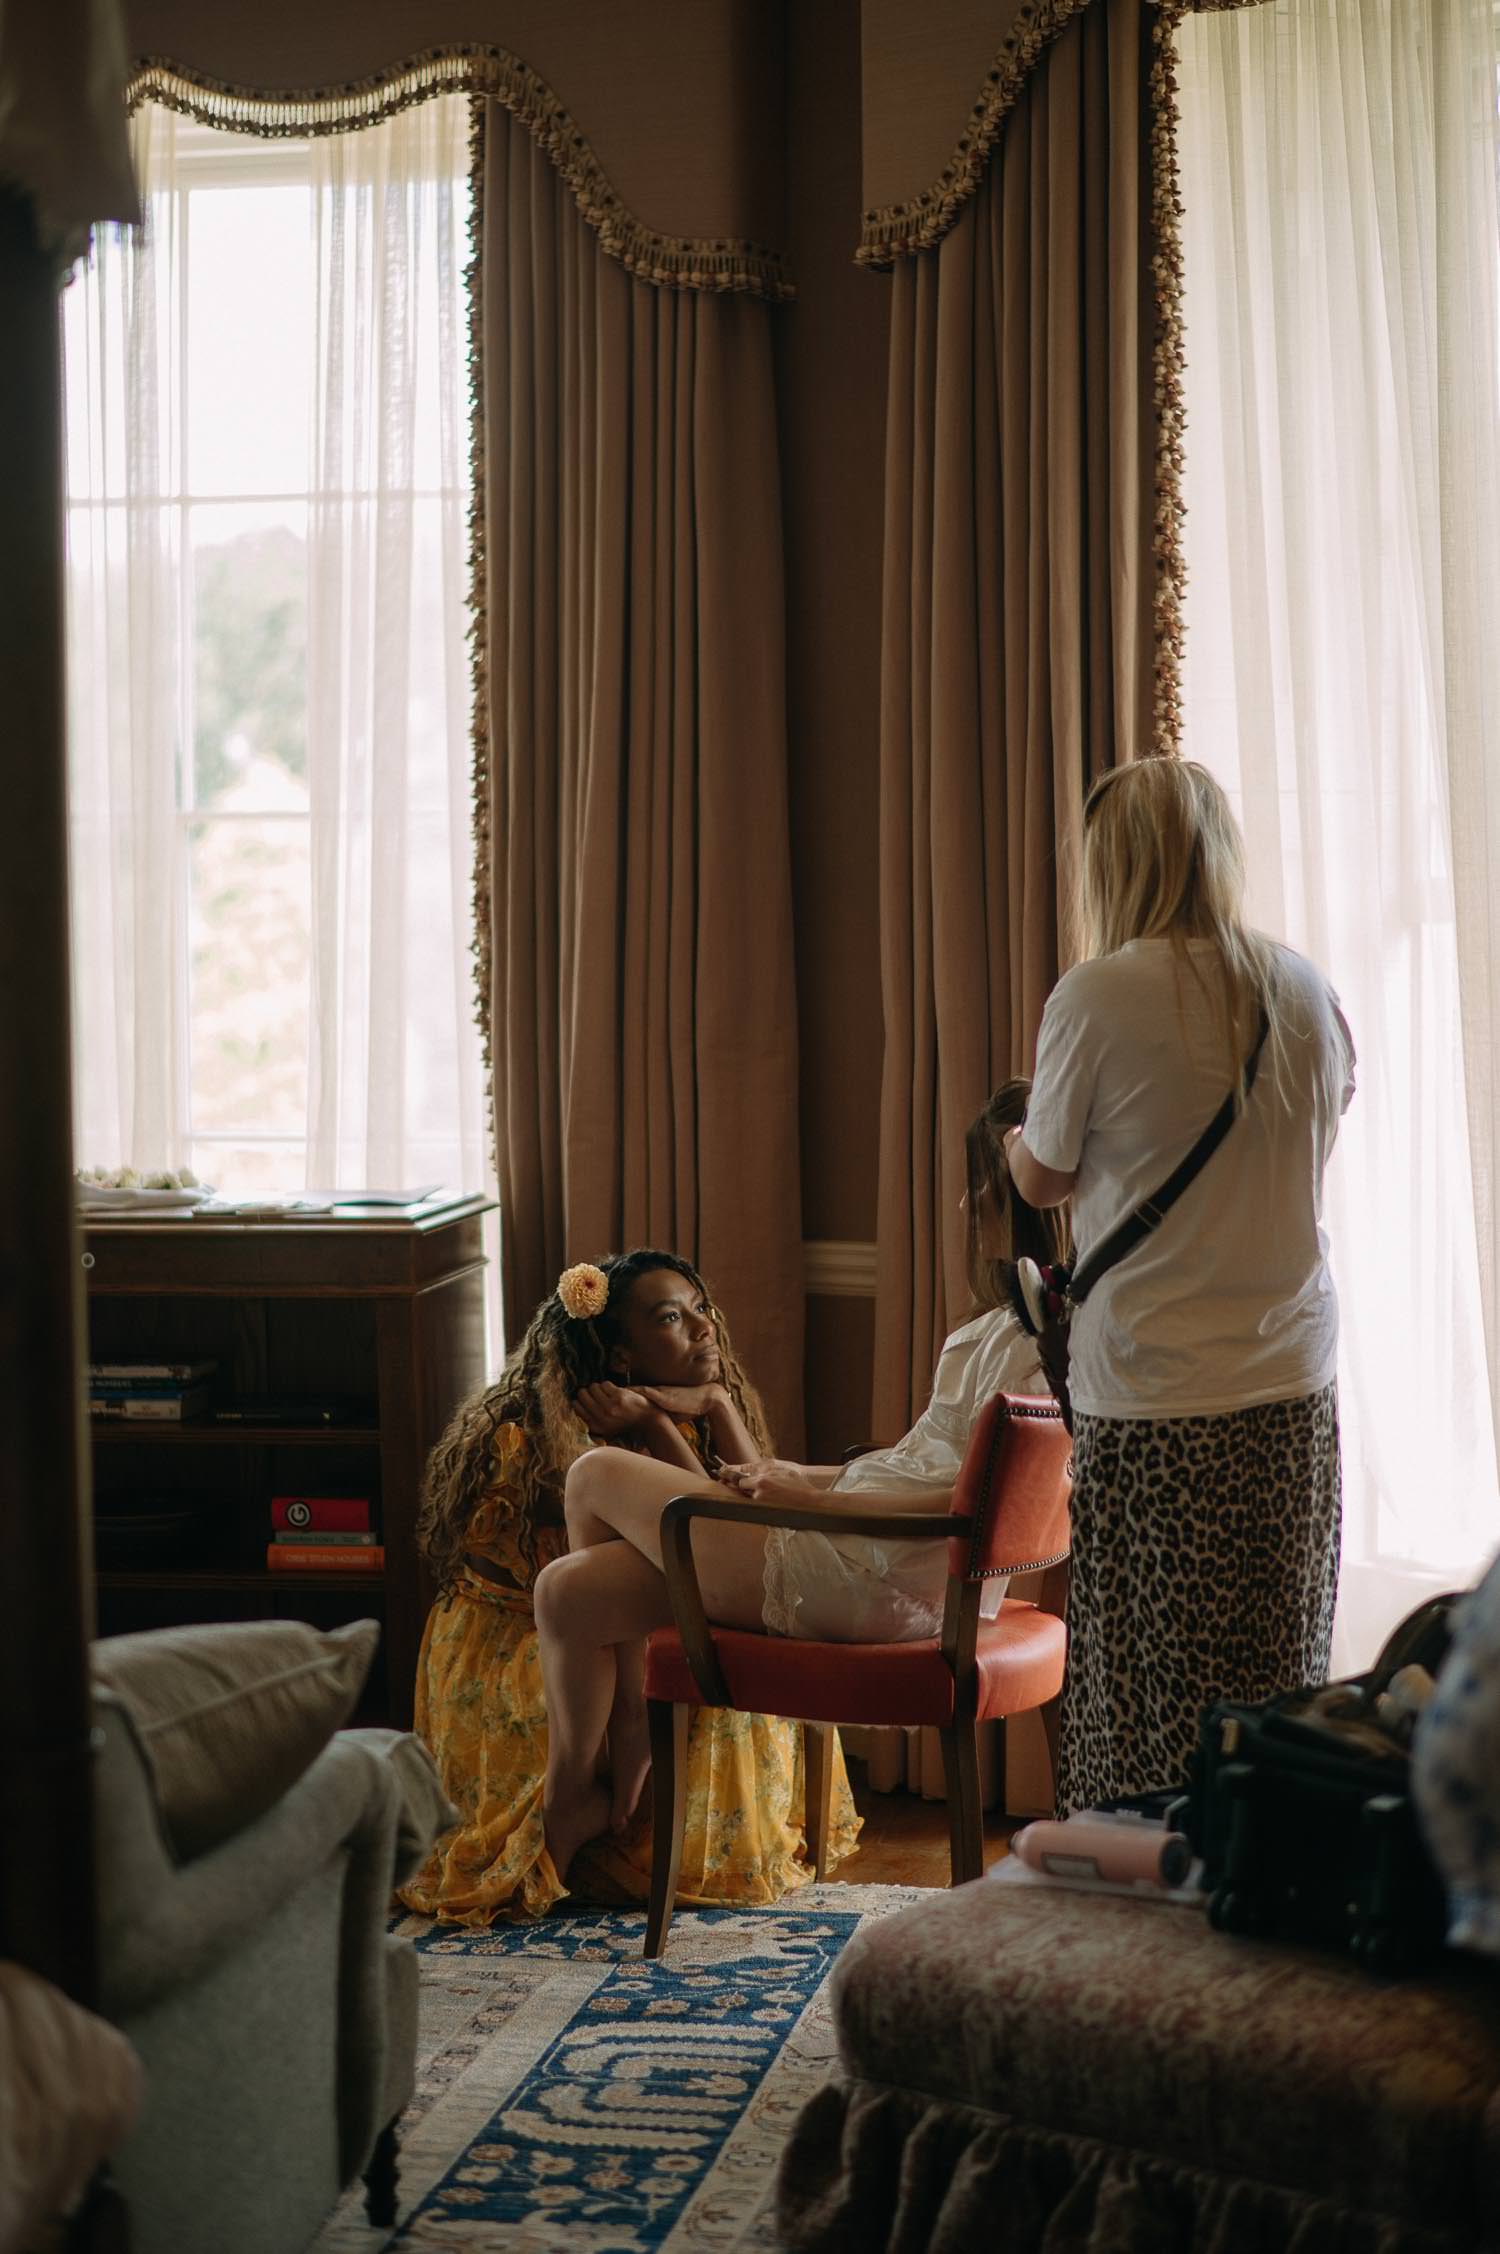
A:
(1150, 1214)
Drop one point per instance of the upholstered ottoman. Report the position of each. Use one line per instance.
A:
(1028, 2068)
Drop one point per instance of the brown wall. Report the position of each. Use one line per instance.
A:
(831, 370)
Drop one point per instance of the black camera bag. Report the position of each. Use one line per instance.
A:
(1304, 1821)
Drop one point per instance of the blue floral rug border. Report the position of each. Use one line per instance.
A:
(573, 2096)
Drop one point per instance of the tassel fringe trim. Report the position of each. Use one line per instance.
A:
(481, 946)
(893, 230)
(670, 261)
(1168, 368)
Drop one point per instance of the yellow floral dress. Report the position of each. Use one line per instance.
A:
(479, 1706)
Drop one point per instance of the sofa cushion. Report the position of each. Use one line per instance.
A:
(229, 1716)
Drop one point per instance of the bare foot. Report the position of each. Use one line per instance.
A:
(568, 1825)
(629, 1759)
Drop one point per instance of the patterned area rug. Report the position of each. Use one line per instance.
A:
(574, 2099)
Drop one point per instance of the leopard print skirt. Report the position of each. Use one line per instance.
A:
(1205, 1563)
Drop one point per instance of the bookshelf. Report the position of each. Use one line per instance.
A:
(384, 1315)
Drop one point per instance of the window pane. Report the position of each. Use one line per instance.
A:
(251, 330)
(249, 565)
(250, 1168)
(248, 936)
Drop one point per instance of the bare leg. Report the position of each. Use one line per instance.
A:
(586, 1606)
(607, 1502)
(624, 1761)
(612, 1493)
(629, 1736)
(594, 1609)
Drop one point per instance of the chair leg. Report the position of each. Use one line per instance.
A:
(817, 1791)
(382, 2173)
(668, 1725)
(998, 1743)
(965, 1818)
(1052, 1728)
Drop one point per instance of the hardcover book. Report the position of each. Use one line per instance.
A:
(138, 1388)
(323, 1557)
(292, 1409)
(174, 1407)
(310, 1538)
(165, 1372)
(306, 1514)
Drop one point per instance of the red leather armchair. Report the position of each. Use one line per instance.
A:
(1009, 1515)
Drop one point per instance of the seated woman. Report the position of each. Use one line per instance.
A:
(593, 1604)
(634, 1353)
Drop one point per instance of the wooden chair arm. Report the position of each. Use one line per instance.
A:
(819, 1518)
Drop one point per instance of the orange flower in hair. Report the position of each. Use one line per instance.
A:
(584, 1291)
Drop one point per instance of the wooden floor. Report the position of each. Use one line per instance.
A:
(905, 1838)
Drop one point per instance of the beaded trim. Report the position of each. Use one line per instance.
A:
(1168, 372)
(893, 229)
(480, 944)
(671, 261)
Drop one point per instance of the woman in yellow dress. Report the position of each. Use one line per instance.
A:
(631, 1353)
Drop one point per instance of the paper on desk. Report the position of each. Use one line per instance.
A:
(386, 1197)
(319, 1205)
(266, 1209)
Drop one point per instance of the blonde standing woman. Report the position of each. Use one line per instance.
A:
(1206, 1445)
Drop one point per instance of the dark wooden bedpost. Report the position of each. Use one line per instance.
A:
(46, 1594)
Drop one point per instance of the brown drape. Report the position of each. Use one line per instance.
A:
(636, 885)
(1018, 637)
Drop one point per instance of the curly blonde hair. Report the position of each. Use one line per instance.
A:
(536, 1390)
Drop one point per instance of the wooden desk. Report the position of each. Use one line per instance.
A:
(386, 1314)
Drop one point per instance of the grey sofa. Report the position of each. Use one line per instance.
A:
(274, 2015)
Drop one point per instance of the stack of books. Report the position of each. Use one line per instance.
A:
(323, 1534)
(164, 1392)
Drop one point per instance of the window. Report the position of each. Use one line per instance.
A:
(1343, 678)
(267, 428)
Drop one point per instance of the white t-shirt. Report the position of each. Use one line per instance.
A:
(1229, 1302)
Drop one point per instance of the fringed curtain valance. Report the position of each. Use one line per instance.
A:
(678, 109)
(917, 222)
(1032, 594)
(676, 260)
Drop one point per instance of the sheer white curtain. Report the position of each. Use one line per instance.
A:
(124, 589)
(270, 757)
(1339, 170)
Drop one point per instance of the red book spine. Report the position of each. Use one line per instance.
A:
(333, 1514)
(318, 1557)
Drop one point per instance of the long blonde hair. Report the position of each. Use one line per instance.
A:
(1163, 859)
(559, 1355)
